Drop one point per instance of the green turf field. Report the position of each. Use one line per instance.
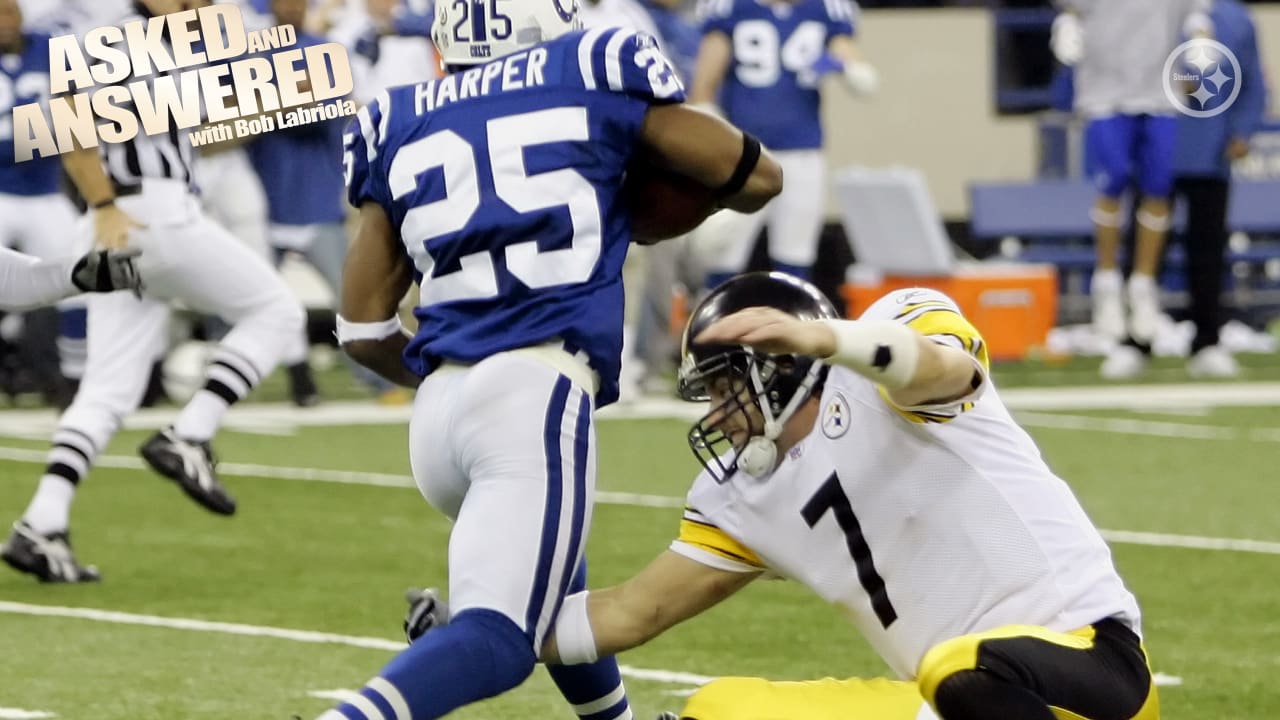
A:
(333, 554)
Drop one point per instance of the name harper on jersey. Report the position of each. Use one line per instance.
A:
(515, 72)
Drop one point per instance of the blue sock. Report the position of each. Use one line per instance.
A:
(595, 691)
(479, 654)
(803, 273)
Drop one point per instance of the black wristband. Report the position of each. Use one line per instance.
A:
(746, 164)
(103, 203)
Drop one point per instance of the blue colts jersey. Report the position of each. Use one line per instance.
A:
(771, 88)
(24, 78)
(503, 180)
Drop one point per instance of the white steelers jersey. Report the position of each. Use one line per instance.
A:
(920, 524)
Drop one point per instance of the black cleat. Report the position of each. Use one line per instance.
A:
(302, 386)
(668, 716)
(48, 557)
(191, 465)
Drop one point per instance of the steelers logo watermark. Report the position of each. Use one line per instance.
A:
(1202, 78)
(835, 417)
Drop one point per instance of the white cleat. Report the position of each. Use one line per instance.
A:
(1125, 362)
(1108, 310)
(1144, 307)
(1213, 362)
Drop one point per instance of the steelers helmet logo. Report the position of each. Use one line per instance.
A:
(835, 417)
(1202, 78)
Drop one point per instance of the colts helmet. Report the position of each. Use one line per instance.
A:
(470, 32)
(776, 385)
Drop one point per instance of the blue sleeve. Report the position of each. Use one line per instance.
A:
(716, 15)
(630, 62)
(841, 17)
(361, 148)
(1247, 114)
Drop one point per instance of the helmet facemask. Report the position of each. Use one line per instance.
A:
(766, 389)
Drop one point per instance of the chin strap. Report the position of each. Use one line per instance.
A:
(760, 456)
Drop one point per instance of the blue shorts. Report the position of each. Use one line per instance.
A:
(1120, 147)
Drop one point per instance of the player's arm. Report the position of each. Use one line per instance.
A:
(715, 53)
(28, 282)
(703, 147)
(858, 74)
(913, 369)
(671, 589)
(375, 277)
(111, 224)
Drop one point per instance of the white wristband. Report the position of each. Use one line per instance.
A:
(574, 639)
(351, 331)
(885, 351)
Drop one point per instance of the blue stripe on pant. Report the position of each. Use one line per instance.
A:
(551, 508)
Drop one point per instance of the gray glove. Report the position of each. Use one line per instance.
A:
(426, 611)
(108, 271)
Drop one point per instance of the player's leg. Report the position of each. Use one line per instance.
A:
(748, 698)
(795, 216)
(212, 272)
(124, 334)
(54, 234)
(521, 433)
(594, 690)
(1156, 141)
(1109, 142)
(723, 243)
(1099, 672)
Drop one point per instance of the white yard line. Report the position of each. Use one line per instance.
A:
(259, 417)
(7, 713)
(276, 472)
(671, 677)
(303, 636)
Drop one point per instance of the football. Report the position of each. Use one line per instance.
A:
(663, 204)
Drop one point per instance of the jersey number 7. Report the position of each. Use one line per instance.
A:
(830, 496)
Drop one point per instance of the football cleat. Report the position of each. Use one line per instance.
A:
(48, 557)
(191, 465)
(668, 716)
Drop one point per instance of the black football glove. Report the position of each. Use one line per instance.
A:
(426, 611)
(108, 271)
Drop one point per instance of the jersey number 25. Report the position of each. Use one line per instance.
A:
(507, 138)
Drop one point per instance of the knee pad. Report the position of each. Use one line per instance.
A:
(510, 655)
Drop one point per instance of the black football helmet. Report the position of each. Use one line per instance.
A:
(776, 384)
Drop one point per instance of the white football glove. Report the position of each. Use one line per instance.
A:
(861, 77)
(426, 612)
(1066, 38)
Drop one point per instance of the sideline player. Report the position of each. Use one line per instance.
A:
(498, 186)
(1119, 50)
(762, 62)
(35, 217)
(873, 461)
(140, 196)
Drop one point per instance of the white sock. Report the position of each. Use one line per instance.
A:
(50, 509)
(1107, 281)
(1141, 285)
(201, 417)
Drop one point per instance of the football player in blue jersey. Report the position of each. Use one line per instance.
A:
(34, 214)
(498, 187)
(761, 62)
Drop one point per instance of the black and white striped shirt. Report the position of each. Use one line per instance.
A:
(166, 155)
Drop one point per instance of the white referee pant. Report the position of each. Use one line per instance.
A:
(190, 258)
(723, 243)
(506, 447)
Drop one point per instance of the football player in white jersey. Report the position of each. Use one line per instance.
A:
(873, 461)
